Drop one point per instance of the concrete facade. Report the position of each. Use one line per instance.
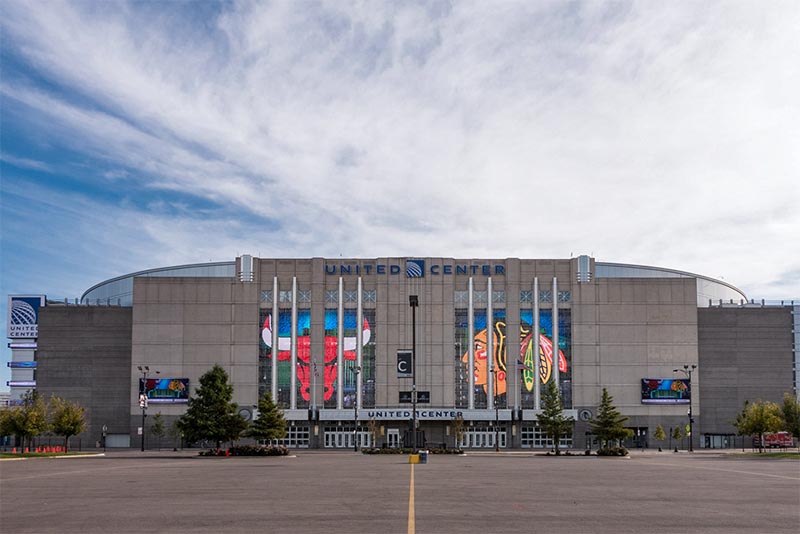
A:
(84, 355)
(746, 355)
(614, 332)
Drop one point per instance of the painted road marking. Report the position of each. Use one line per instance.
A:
(411, 518)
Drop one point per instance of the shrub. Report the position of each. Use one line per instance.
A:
(613, 451)
(409, 451)
(248, 450)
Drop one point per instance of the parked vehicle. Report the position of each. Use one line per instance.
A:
(776, 440)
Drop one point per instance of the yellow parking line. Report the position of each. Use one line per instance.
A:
(411, 518)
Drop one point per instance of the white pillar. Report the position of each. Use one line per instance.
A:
(537, 384)
(556, 372)
(293, 380)
(359, 344)
(471, 346)
(490, 363)
(275, 326)
(340, 349)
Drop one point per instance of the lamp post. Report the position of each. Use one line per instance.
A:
(493, 370)
(687, 370)
(143, 396)
(357, 370)
(413, 301)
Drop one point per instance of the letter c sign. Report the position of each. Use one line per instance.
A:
(404, 364)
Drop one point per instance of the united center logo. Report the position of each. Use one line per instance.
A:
(23, 316)
(415, 268)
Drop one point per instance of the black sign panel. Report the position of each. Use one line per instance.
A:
(423, 397)
(404, 369)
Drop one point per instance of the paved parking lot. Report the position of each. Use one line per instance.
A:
(325, 492)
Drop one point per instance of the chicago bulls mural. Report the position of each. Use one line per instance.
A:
(306, 365)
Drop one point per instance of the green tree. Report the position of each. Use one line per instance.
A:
(212, 414)
(677, 435)
(270, 423)
(552, 418)
(157, 428)
(659, 435)
(758, 418)
(27, 420)
(66, 419)
(608, 425)
(791, 415)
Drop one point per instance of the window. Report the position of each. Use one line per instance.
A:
(545, 295)
(526, 296)
(564, 296)
(351, 296)
(499, 297)
(461, 297)
(479, 297)
(304, 295)
(534, 437)
(266, 296)
(331, 296)
(285, 296)
(370, 295)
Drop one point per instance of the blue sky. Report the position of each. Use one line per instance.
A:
(146, 134)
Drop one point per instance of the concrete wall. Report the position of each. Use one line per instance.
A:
(183, 326)
(84, 355)
(745, 354)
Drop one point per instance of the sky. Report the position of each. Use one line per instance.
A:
(146, 134)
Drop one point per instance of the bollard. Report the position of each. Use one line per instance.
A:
(413, 458)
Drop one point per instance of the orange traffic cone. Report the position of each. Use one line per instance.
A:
(14, 451)
(26, 450)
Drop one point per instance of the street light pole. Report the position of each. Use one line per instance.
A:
(496, 413)
(357, 370)
(143, 396)
(687, 370)
(413, 301)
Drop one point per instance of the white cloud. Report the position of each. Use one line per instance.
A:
(655, 134)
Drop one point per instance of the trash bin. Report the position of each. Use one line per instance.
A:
(423, 457)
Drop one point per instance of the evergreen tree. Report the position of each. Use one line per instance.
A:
(66, 419)
(552, 418)
(791, 415)
(608, 425)
(758, 418)
(212, 414)
(270, 423)
(677, 435)
(659, 435)
(157, 427)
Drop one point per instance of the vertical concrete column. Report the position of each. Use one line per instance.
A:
(556, 372)
(293, 379)
(471, 345)
(275, 327)
(490, 363)
(537, 381)
(359, 344)
(340, 348)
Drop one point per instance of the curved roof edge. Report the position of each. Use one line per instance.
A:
(676, 271)
(157, 270)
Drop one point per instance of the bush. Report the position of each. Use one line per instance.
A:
(248, 450)
(613, 451)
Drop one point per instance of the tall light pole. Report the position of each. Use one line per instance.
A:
(357, 370)
(413, 301)
(143, 396)
(687, 370)
(493, 370)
